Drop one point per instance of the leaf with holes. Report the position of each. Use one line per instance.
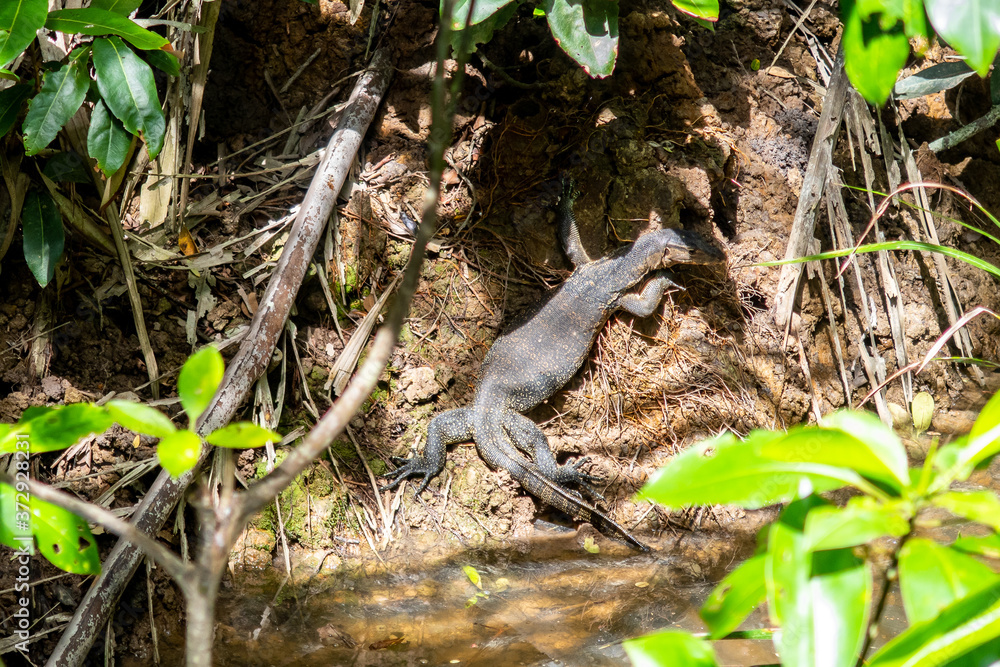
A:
(64, 538)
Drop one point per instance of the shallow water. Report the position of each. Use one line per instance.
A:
(543, 601)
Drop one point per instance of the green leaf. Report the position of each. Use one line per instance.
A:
(965, 625)
(199, 379)
(19, 21)
(587, 30)
(107, 140)
(44, 236)
(724, 470)
(979, 506)
(59, 428)
(482, 11)
(873, 55)
(988, 545)
(820, 600)
(11, 101)
(932, 576)
(67, 167)
(734, 598)
(988, 419)
(123, 7)
(861, 521)
(242, 435)
(840, 598)
(127, 86)
(141, 418)
(163, 61)
(179, 452)
(972, 27)
(701, 9)
(670, 647)
(64, 538)
(933, 79)
(874, 450)
(473, 575)
(62, 93)
(95, 21)
(15, 519)
(482, 32)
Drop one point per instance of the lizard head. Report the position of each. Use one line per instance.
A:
(666, 247)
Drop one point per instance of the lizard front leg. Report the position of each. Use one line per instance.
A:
(645, 302)
(445, 429)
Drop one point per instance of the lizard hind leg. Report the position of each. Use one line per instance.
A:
(445, 429)
(531, 440)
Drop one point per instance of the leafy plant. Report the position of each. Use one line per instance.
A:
(816, 564)
(877, 36)
(122, 91)
(64, 538)
(586, 31)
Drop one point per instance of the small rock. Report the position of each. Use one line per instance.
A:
(418, 384)
(52, 386)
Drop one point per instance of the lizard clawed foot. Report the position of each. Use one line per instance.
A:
(570, 474)
(416, 466)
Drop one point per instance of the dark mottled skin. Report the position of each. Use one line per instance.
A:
(535, 358)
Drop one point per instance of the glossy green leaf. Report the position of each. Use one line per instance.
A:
(707, 10)
(862, 520)
(141, 418)
(933, 576)
(64, 538)
(43, 235)
(15, 519)
(979, 506)
(163, 61)
(965, 625)
(972, 27)
(587, 31)
(123, 7)
(95, 21)
(19, 21)
(67, 167)
(482, 32)
(179, 452)
(986, 545)
(480, 12)
(62, 93)
(107, 140)
(59, 428)
(734, 598)
(873, 55)
(199, 379)
(670, 647)
(11, 101)
(127, 86)
(242, 435)
(724, 470)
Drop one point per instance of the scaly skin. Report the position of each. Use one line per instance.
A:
(540, 353)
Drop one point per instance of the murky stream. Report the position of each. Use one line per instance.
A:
(543, 601)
